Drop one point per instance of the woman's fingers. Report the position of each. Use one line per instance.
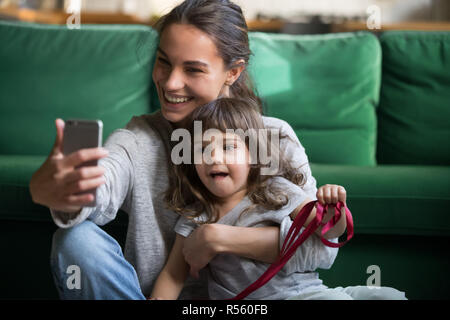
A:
(84, 173)
(84, 185)
(79, 200)
(84, 155)
(57, 146)
(194, 273)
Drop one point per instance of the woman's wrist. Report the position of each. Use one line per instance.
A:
(213, 235)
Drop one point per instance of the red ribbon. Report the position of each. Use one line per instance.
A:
(294, 239)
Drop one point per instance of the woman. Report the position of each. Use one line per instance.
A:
(202, 54)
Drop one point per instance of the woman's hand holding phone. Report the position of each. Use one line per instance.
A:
(58, 183)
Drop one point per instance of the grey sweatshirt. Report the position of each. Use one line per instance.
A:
(230, 274)
(137, 175)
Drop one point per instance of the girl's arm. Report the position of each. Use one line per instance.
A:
(172, 277)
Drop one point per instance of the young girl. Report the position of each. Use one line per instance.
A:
(221, 189)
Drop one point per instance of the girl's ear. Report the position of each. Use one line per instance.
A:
(234, 72)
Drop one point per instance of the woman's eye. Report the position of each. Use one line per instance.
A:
(163, 61)
(193, 70)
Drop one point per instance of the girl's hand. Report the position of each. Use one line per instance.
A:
(58, 181)
(331, 194)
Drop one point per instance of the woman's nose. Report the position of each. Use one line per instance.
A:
(174, 81)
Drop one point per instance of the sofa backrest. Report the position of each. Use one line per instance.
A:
(46, 72)
(326, 87)
(414, 111)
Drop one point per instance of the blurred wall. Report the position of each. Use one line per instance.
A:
(391, 10)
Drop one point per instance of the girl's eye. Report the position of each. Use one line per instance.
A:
(229, 147)
(200, 149)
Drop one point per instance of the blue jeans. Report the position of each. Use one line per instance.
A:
(87, 263)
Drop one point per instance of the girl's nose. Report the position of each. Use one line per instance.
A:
(217, 155)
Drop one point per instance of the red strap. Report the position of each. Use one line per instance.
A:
(294, 239)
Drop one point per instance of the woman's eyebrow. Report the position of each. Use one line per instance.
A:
(189, 62)
(162, 52)
(196, 63)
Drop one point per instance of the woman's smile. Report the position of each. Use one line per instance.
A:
(175, 101)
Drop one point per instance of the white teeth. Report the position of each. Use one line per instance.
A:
(175, 100)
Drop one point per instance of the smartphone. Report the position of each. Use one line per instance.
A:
(83, 134)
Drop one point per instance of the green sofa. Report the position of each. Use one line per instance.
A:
(373, 114)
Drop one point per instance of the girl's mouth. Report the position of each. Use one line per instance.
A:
(218, 175)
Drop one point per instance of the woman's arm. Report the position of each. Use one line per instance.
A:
(171, 279)
(260, 244)
(210, 239)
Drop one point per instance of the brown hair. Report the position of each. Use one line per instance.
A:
(189, 197)
(224, 22)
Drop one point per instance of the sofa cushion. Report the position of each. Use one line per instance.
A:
(15, 175)
(414, 111)
(383, 199)
(96, 72)
(17, 205)
(326, 87)
(393, 199)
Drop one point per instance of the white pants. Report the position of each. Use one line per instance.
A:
(353, 293)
